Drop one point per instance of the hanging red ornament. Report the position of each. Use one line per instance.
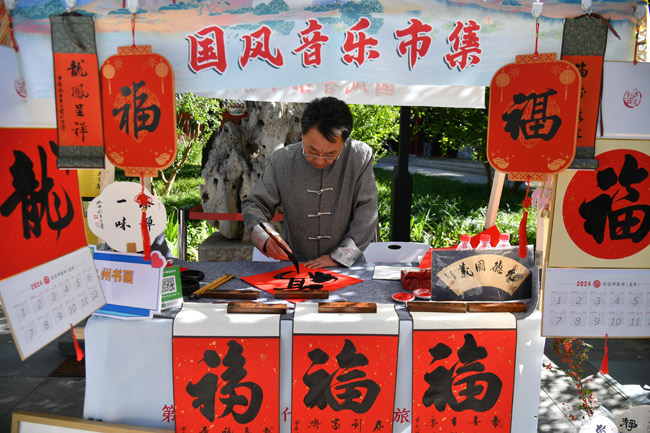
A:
(604, 366)
(78, 351)
(138, 111)
(144, 201)
(533, 117)
(523, 240)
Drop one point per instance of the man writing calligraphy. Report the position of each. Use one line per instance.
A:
(327, 188)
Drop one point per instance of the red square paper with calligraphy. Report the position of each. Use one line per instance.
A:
(601, 218)
(307, 279)
(343, 383)
(40, 206)
(463, 380)
(139, 111)
(226, 384)
(533, 117)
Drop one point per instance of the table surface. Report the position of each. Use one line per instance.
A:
(368, 290)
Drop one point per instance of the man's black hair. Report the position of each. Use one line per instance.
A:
(331, 116)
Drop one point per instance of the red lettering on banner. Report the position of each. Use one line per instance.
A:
(465, 46)
(401, 416)
(356, 86)
(415, 41)
(285, 412)
(384, 89)
(208, 50)
(358, 46)
(330, 88)
(257, 45)
(169, 413)
(304, 89)
(312, 43)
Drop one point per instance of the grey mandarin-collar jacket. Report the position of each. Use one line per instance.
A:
(329, 211)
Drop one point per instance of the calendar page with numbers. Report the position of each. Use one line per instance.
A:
(42, 303)
(595, 302)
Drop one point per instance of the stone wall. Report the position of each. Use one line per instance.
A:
(238, 154)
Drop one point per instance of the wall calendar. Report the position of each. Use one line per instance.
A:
(595, 302)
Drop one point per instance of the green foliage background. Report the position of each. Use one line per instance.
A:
(442, 209)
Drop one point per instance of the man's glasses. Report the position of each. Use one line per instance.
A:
(324, 158)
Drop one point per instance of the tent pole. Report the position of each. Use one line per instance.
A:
(402, 184)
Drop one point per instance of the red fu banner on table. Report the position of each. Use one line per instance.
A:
(344, 370)
(226, 370)
(77, 91)
(463, 372)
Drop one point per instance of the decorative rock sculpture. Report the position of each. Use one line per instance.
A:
(238, 154)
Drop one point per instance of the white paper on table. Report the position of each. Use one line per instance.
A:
(212, 320)
(41, 303)
(384, 272)
(307, 320)
(125, 359)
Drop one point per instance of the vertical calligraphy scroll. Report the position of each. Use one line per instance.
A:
(463, 372)
(138, 111)
(226, 370)
(533, 117)
(583, 43)
(77, 92)
(344, 370)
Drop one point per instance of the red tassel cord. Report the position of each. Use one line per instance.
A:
(604, 366)
(133, 31)
(523, 242)
(536, 37)
(11, 31)
(144, 201)
(77, 348)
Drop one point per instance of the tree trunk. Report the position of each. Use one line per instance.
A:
(238, 156)
(168, 182)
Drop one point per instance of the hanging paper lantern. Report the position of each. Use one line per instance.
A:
(533, 121)
(138, 111)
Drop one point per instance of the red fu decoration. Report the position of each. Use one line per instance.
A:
(138, 111)
(533, 117)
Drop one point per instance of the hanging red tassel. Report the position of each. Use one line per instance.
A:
(604, 366)
(77, 348)
(133, 31)
(144, 201)
(11, 31)
(523, 242)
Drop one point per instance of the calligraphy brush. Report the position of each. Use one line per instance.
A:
(277, 241)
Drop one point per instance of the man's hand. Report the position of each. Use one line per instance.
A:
(325, 261)
(274, 251)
